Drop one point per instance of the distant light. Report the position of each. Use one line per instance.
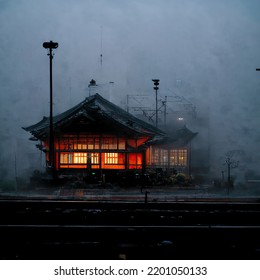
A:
(180, 119)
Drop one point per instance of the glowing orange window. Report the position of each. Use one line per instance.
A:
(111, 158)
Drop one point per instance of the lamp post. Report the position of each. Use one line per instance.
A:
(156, 87)
(51, 45)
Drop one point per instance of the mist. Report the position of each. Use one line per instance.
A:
(212, 47)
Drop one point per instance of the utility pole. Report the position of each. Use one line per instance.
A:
(165, 110)
(156, 87)
(51, 45)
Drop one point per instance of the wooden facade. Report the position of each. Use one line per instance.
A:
(98, 135)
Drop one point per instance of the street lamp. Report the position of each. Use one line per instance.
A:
(156, 87)
(51, 45)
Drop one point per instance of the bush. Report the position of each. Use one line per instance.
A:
(182, 179)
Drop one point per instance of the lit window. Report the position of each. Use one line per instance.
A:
(182, 160)
(121, 144)
(94, 158)
(109, 143)
(111, 158)
(64, 158)
(80, 158)
(135, 161)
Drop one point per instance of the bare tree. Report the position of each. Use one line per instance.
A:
(231, 163)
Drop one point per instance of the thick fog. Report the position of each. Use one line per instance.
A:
(205, 51)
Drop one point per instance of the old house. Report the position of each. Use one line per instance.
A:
(98, 136)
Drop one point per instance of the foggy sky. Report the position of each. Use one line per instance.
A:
(213, 47)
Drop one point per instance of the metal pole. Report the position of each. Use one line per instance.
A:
(51, 45)
(156, 108)
(156, 87)
(51, 144)
(165, 111)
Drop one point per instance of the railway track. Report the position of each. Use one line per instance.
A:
(43, 229)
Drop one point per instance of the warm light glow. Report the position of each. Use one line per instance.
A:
(94, 158)
(111, 158)
(177, 157)
(91, 142)
(113, 161)
(78, 158)
(135, 161)
(98, 151)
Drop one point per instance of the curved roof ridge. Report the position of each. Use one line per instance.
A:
(115, 108)
(107, 108)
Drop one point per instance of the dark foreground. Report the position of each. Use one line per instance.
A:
(52, 229)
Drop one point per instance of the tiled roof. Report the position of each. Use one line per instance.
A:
(178, 137)
(95, 108)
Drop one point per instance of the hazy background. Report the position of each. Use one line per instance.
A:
(204, 50)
